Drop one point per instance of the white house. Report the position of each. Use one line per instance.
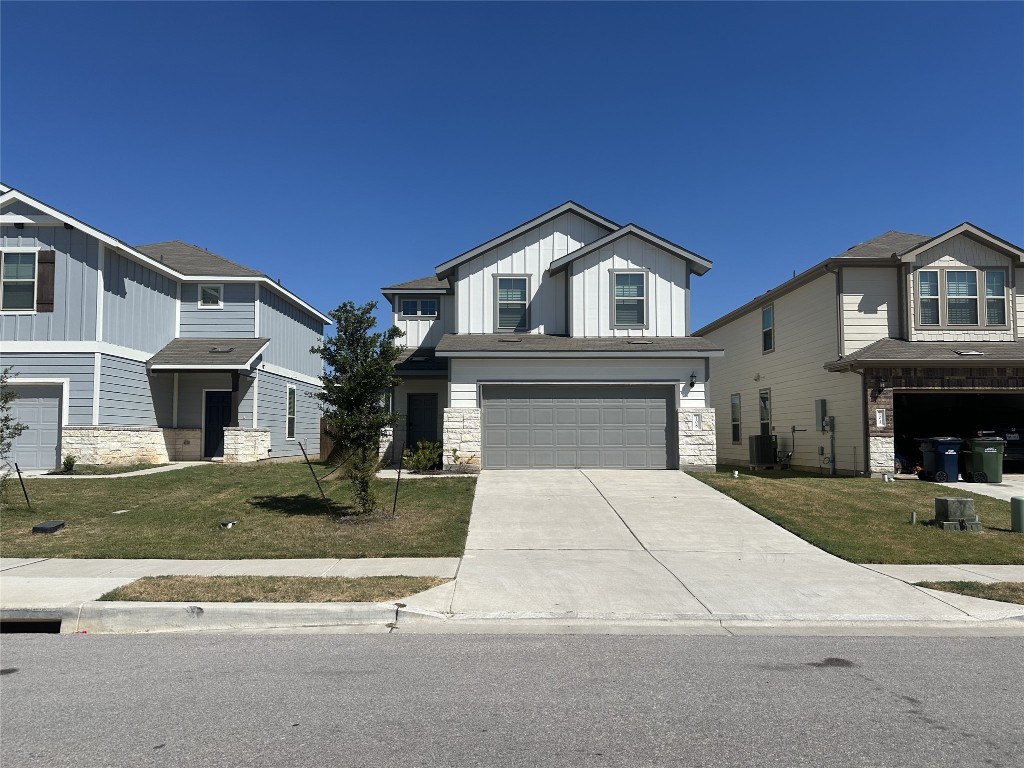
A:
(563, 342)
(901, 337)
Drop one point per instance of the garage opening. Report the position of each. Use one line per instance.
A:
(573, 426)
(38, 407)
(959, 414)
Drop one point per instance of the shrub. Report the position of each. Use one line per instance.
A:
(69, 463)
(426, 456)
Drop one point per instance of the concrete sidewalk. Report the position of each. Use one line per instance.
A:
(1012, 485)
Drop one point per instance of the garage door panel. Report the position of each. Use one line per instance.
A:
(39, 408)
(614, 426)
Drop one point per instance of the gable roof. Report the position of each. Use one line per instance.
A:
(886, 352)
(190, 259)
(447, 268)
(974, 233)
(429, 284)
(8, 194)
(699, 265)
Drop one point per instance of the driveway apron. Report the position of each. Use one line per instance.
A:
(661, 545)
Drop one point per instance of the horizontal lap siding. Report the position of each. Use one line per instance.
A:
(870, 306)
(138, 305)
(126, 398)
(77, 368)
(273, 411)
(190, 397)
(74, 288)
(292, 333)
(236, 320)
(531, 253)
(1019, 295)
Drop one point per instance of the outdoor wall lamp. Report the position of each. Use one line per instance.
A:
(882, 384)
(693, 380)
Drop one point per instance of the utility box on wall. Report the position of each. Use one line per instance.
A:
(820, 414)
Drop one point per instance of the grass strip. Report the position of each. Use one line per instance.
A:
(1003, 591)
(867, 521)
(272, 589)
(104, 469)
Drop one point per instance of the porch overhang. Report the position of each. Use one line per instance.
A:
(209, 355)
(898, 353)
(536, 345)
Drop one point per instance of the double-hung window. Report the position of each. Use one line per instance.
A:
(290, 428)
(952, 298)
(629, 299)
(419, 308)
(19, 281)
(512, 314)
(735, 413)
(768, 328)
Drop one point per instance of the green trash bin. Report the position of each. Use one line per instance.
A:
(983, 460)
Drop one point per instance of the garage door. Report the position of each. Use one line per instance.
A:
(570, 426)
(37, 407)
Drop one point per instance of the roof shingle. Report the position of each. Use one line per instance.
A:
(185, 354)
(190, 260)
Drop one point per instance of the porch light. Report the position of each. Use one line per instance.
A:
(882, 384)
(693, 380)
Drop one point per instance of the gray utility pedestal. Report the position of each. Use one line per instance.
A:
(1017, 514)
(954, 513)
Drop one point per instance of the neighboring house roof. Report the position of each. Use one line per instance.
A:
(429, 284)
(190, 259)
(884, 249)
(7, 194)
(219, 354)
(699, 265)
(421, 362)
(886, 352)
(447, 268)
(535, 344)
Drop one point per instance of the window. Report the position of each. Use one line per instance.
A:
(19, 281)
(211, 296)
(419, 308)
(950, 297)
(768, 328)
(764, 399)
(511, 304)
(629, 300)
(290, 434)
(734, 408)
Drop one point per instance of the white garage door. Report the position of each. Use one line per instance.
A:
(37, 407)
(578, 426)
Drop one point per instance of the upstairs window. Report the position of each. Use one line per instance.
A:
(768, 328)
(995, 297)
(511, 303)
(951, 298)
(629, 300)
(419, 308)
(961, 297)
(19, 281)
(211, 296)
(928, 295)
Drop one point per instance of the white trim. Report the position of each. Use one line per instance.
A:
(97, 364)
(964, 229)
(65, 396)
(29, 220)
(202, 423)
(289, 390)
(35, 279)
(639, 354)
(177, 312)
(256, 313)
(113, 242)
(255, 397)
(75, 347)
(199, 296)
(174, 403)
(288, 374)
(100, 291)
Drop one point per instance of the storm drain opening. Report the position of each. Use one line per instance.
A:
(30, 626)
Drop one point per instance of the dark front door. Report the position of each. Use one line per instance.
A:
(422, 419)
(217, 415)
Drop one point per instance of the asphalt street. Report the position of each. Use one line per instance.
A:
(536, 700)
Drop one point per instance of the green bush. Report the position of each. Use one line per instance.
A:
(426, 456)
(69, 463)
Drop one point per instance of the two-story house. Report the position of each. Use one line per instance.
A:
(122, 354)
(561, 343)
(903, 336)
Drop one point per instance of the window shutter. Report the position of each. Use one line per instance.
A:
(44, 281)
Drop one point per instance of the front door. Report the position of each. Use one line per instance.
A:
(422, 419)
(217, 415)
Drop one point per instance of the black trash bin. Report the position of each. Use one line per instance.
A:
(941, 458)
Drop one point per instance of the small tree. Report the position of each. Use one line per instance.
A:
(9, 428)
(359, 372)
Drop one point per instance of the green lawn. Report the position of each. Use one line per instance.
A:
(866, 521)
(279, 511)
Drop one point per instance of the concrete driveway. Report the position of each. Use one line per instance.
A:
(662, 545)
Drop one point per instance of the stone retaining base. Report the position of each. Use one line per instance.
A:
(243, 445)
(698, 447)
(462, 433)
(115, 446)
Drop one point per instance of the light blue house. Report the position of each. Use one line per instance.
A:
(153, 353)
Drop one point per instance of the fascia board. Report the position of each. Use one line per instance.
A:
(410, 291)
(601, 355)
(975, 233)
(446, 268)
(700, 265)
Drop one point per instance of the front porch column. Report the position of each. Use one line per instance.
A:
(233, 422)
(698, 445)
(462, 433)
(881, 429)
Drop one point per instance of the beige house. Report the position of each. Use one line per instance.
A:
(901, 337)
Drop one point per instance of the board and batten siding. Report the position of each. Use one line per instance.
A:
(76, 265)
(959, 252)
(292, 333)
(805, 339)
(128, 397)
(76, 368)
(138, 304)
(591, 289)
(235, 320)
(1018, 293)
(870, 303)
(467, 374)
(273, 415)
(529, 254)
(425, 332)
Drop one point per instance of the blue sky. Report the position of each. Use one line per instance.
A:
(341, 147)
